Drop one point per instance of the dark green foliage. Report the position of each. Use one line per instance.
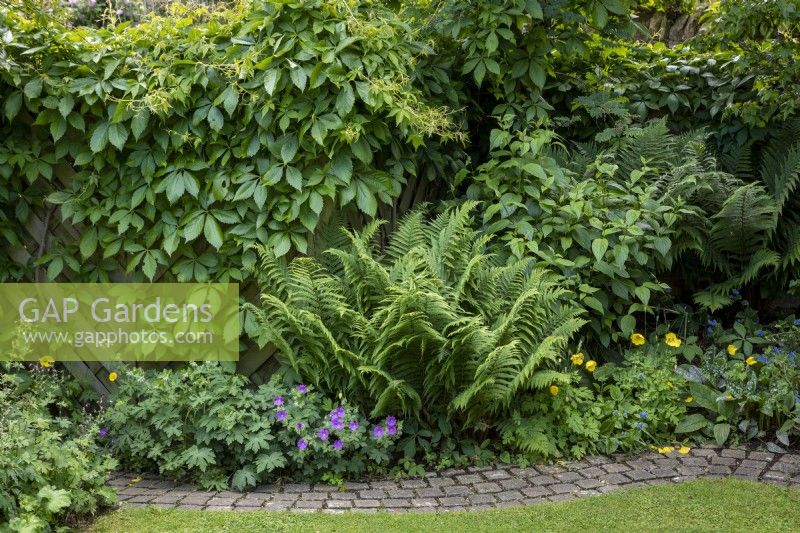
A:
(52, 469)
(206, 423)
(192, 139)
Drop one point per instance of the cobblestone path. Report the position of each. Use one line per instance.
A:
(473, 488)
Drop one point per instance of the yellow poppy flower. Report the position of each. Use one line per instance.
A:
(591, 365)
(684, 450)
(731, 349)
(637, 339)
(666, 450)
(577, 359)
(689, 399)
(112, 377)
(672, 340)
(750, 360)
(554, 390)
(46, 361)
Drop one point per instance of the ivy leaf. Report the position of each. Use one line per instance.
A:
(13, 105)
(345, 100)
(65, 105)
(365, 199)
(213, 232)
(118, 135)
(139, 123)
(33, 88)
(99, 137)
(193, 228)
(299, 78)
(294, 177)
(149, 265)
(342, 167)
(215, 118)
(88, 243)
(230, 99)
(271, 78)
(58, 128)
(289, 148)
(282, 245)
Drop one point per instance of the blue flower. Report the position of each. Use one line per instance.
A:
(712, 322)
(797, 321)
(762, 358)
(735, 293)
(639, 425)
(644, 415)
(760, 333)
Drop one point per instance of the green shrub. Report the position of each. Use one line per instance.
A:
(602, 228)
(642, 399)
(746, 383)
(431, 326)
(206, 423)
(52, 470)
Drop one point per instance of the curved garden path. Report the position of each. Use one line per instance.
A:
(474, 488)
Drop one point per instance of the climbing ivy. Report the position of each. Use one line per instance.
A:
(181, 141)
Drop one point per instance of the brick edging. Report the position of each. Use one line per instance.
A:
(474, 487)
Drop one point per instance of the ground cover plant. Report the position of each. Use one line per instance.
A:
(53, 469)
(204, 423)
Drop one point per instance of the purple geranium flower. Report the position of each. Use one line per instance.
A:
(353, 425)
(281, 415)
(279, 400)
(299, 425)
(103, 432)
(391, 430)
(338, 444)
(323, 434)
(302, 389)
(302, 444)
(339, 411)
(377, 432)
(337, 423)
(391, 421)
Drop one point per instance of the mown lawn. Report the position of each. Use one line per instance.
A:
(720, 505)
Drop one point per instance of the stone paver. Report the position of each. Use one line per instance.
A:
(473, 488)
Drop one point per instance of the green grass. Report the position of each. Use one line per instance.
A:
(722, 505)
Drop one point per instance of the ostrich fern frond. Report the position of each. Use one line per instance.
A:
(434, 327)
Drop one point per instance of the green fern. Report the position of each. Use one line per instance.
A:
(435, 326)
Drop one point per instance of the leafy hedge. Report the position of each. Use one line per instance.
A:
(192, 139)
